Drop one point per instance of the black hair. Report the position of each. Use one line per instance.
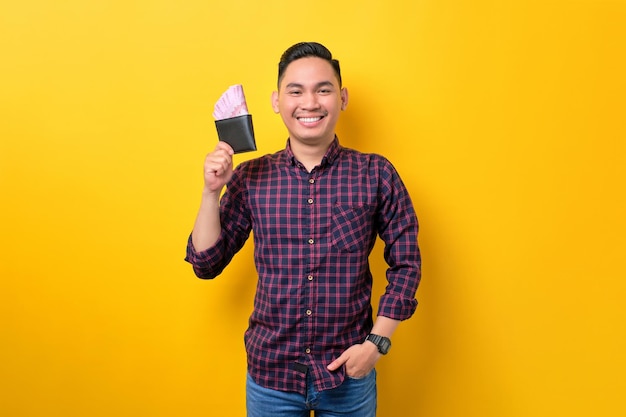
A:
(303, 50)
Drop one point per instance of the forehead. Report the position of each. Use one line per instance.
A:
(309, 71)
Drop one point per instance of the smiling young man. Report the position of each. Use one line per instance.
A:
(309, 100)
(316, 209)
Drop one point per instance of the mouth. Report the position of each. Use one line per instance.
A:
(309, 119)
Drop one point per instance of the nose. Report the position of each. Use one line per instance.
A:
(309, 101)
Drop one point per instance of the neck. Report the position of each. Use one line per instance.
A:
(309, 155)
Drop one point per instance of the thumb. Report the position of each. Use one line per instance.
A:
(338, 363)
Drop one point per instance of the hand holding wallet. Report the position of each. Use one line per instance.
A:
(233, 122)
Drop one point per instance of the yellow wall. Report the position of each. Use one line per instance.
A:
(505, 119)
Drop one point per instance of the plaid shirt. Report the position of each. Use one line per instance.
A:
(313, 233)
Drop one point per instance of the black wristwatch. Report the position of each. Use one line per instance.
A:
(382, 343)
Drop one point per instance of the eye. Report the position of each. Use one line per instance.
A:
(294, 92)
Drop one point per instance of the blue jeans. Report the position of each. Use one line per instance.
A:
(353, 398)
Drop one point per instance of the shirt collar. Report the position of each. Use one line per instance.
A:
(331, 154)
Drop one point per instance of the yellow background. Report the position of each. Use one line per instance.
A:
(504, 118)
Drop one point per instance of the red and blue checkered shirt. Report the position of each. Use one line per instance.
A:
(313, 233)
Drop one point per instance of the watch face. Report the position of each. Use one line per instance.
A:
(384, 345)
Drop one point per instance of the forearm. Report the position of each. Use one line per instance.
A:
(384, 326)
(207, 227)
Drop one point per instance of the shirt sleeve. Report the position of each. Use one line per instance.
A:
(236, 227)
(398, 228)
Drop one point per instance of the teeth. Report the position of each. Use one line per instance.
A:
(309, 119)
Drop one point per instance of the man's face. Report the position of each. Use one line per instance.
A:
(309, 100)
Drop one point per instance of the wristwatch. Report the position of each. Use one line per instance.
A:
(382, 343)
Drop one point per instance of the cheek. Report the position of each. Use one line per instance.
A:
(286, 108)
(286, 116)
(334, 105)
(334, 108)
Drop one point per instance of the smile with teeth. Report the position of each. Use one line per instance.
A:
(310, 119)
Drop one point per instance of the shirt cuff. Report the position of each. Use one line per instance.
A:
(205, 263)
(396, 307)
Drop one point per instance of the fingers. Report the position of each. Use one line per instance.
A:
(357, 360)
(224, 146)
(217, 164)
(339, 362)
(218, 167)
(220, 160)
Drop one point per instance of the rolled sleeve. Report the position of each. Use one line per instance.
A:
(400, 305)
(206, 264)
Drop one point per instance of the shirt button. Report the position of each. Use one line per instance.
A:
(307, 350)
(311, 241)
(309, 312)
(311, 180)
(310, 201)
(310, 277)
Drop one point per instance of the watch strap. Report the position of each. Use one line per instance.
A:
(382, 343)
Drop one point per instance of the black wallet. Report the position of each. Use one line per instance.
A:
(237, 132)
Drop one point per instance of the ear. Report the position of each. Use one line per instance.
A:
(275, 102)
(344, 98)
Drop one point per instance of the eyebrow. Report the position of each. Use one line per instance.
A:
(318, 85)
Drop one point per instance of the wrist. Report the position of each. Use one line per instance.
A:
(371, 348)
(382, 343)
(210, 197)
(210, 191)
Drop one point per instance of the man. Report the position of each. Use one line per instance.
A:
(316, 209)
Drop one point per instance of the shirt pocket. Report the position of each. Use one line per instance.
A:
(352, 227)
